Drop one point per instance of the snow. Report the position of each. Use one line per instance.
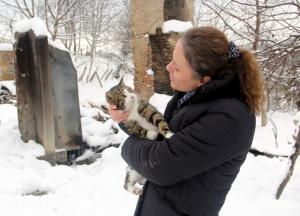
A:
(35, 24)
(39, 28)
(296, 119)
(6, 47)
(97, 189)
(96, 133)
(59, 190)
(159, 101)
(176, 26)
(57, 44)
(150, 72)
(264, 138)
(10, 85)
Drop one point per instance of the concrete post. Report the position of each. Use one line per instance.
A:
(47, 97)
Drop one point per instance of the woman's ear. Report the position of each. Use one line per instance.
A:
(204, 80)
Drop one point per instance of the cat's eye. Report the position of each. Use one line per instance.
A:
(130, 90)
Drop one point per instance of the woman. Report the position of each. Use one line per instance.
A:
(212, 115)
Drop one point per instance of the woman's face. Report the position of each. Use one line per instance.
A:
(182, 76)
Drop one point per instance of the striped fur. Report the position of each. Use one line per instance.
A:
(144, 121)
(143, 117)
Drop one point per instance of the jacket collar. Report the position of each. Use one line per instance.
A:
(225, 86)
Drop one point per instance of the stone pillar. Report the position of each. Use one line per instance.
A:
(47, 97)
(147, 18)
(7, 71)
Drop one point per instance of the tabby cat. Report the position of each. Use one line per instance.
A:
(143, 120)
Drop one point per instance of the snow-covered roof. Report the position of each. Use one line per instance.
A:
(176, 26)
(36, 24)
(6, 47)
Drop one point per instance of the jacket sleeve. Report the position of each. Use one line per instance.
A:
(206, 143)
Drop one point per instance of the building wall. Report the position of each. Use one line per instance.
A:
(7, 70)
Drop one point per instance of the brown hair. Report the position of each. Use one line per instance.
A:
(206, 49)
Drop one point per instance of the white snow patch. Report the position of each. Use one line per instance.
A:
(10, 85)
(58, 44)
(6, 47)
(264, 138)
(296, 119)
(160, 101)
(35, 24)
(8, 112)
(150, 72)
(39, 28)
(176, 26)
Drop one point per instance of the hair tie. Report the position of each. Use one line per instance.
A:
(234, 52)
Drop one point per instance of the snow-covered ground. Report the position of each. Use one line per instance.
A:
(32, 187)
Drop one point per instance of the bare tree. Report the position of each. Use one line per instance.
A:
(58, 10)
(98, 29)
(27, 8)
(270, 28)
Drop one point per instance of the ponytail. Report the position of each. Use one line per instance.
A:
(251, 82)
(210, 54)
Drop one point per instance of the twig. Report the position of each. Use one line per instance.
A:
(82, 74)
(293, 159)
(255, 152)
(274, 129)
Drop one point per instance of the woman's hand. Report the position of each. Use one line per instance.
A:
(117, 115)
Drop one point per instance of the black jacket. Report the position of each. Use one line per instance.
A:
(192, 172)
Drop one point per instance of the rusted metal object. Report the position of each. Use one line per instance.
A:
(47, 97)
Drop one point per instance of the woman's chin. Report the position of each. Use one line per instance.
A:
(173, 86)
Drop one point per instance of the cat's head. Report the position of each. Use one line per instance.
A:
(122, 96)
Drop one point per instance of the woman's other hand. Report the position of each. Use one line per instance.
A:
(117, 115)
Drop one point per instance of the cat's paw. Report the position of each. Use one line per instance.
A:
(152, 135)
(137, 191)
(169, 135)
(133, 189)
(142, 181)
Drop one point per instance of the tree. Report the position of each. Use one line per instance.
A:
(270, 28)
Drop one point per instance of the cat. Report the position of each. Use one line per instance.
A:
(143, 120)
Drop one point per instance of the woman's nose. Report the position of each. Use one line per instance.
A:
(169, 67)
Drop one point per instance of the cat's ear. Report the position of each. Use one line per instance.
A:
(121, 83)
